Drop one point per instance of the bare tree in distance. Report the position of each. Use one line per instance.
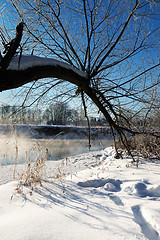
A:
(110, 51)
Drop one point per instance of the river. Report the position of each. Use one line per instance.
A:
(17, 150)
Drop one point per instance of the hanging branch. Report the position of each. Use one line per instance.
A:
(115, 145)
(89, 127)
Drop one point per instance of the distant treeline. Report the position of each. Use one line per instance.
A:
(55, 114)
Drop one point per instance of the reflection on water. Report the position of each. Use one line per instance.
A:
(57, 148)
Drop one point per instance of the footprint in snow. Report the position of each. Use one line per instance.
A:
(116, 199)
(142, 191)
(149, 232)
(109, 184)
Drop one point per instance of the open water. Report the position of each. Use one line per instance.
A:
(17, 150)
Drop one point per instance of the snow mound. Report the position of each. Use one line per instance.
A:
(142, 191)
(108, 184)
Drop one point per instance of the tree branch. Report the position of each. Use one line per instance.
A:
(16, 78)
(12, 47)
(117, 40)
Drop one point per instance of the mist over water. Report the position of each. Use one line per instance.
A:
(16, 148)
(13, 148)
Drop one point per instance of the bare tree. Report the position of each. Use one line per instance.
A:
(109, 49)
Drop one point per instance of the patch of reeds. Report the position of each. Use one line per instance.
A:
(34, 169)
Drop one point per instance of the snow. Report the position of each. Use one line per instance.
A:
(89, 196)
(27, 61)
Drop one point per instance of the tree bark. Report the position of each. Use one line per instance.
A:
(11, 79)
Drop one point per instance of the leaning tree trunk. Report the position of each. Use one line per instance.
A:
(14, 77)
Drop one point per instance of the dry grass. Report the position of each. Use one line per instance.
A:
(146, 146)
(34, 169)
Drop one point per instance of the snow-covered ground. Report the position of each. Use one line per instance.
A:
(90, 196)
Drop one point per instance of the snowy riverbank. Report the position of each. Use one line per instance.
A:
(95, 197)
(55, 131)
